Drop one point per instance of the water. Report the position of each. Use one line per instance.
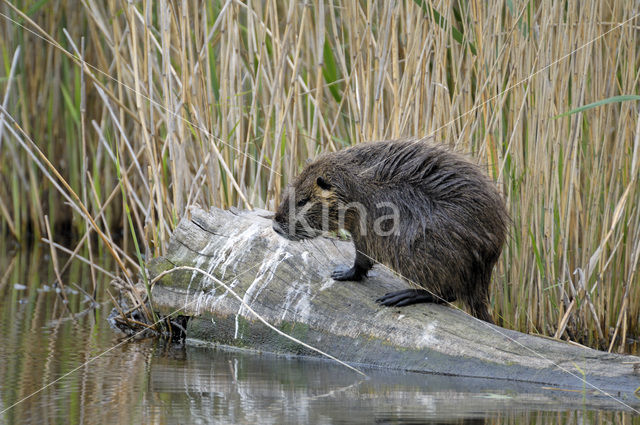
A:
(44, 350)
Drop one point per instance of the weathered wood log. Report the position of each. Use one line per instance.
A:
(288, 284)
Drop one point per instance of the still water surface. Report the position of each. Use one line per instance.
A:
(151, 381)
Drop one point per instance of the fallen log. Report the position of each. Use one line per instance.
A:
(289, 285)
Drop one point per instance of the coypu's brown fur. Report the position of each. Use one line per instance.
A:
(452, 220)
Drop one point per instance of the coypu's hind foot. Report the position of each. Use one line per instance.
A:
(479, 309)
(408, 297)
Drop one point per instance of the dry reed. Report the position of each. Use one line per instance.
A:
(220, 103)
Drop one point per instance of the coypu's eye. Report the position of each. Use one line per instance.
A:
(302, 201)
(323, 183)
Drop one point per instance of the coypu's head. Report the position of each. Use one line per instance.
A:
(309, 205)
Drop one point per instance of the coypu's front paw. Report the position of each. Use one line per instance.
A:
(346, 273)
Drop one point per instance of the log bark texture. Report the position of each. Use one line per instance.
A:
(289, 284)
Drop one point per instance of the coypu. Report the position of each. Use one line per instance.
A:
(424, 211)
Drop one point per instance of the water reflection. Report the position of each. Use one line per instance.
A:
(154, 382)
(248, 388)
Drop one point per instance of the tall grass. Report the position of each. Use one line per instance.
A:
(221, 102)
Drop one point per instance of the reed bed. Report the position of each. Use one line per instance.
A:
(122, 114)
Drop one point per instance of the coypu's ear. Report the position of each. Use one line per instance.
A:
(323, 183)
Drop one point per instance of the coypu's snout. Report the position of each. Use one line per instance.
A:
(282, 231)
(275, 223)
(294, 229)
(278, 229)
(300, 213)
